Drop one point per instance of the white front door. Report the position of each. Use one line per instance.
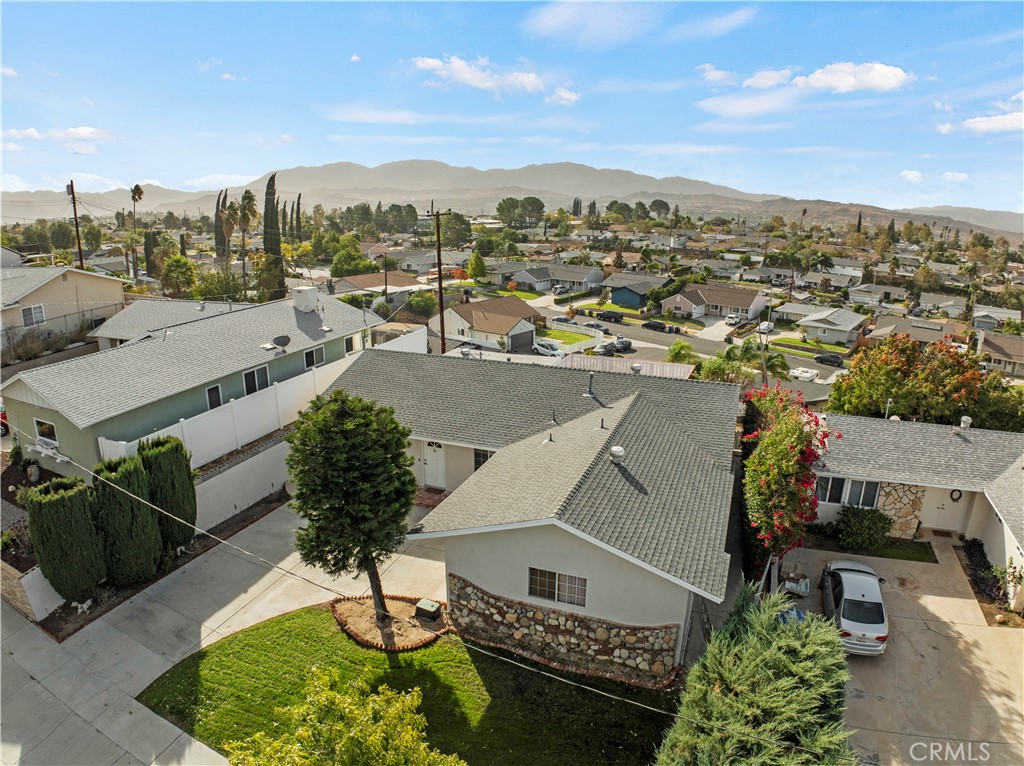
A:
(433, 465)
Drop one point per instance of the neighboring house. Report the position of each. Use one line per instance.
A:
(91, 407)
(421, 262)
(817, 279)
(499, 272)
(958, 479)
(10, 258)
(147, 315)
(720, 268)
(1004, 352)
(873, 295)
(56, 299)
(507, 323)
(791, 312)
(596, 363)
(837, 326)
(550, 533)
(924, 331)
(990, 317)
(953, 305)
(631, 290)
(715, 301)
(375, 282)
(542, 278)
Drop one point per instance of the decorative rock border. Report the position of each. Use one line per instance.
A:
(371, 644)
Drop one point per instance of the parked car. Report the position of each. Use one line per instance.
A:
(832, 359)
(918, 312)
(622, 344)
(610, 316)
(547, 348)
(851, 596)
(654, 324)
(765, 327)
(563, 320)
(559, 290)
(734, 319)
(803, 373)
(605, 349)
(4, 428)
(596, 326)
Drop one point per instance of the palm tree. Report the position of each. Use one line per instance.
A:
(682, 352)
(229, 220)
(751, 354)
(823, 261)
(137, 193)
(248, 214)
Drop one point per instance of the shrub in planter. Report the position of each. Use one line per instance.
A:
(171, 487)
(130, 531)
(983, 579)
(861, 528)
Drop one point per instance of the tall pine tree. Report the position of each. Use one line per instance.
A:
(171, 487)
(297, 218)
(291, 222)
(284, 221)
(275, 286)
(181, 245)
(129, 527)
(218, 228)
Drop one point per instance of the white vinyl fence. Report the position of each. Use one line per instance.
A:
(212, 434)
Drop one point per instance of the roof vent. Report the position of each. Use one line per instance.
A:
(636, 367)
(895, 417)
(615, 454)
(590, 386)
(965, 422)
(304, 299)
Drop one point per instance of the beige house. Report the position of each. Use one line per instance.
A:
(56, 299)
(716, 301)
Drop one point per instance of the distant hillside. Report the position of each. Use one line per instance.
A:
(473, 192)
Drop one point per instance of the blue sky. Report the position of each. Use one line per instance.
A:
(894, 104)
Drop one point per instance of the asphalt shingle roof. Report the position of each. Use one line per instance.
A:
(142, 316)
(837, 319)
(184, 356)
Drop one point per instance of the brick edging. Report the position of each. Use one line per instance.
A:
(371, 644)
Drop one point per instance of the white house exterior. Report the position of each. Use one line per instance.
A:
(837, 326)
(505, 323)
(716, 301)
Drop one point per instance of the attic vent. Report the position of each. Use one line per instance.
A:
(615, 454)
(965, 422)
(636, 367)
(268, 346)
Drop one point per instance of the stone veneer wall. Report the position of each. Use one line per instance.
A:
(13, 591)
(640, 655)
(902, 503)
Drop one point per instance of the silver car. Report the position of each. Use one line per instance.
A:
(852, 597)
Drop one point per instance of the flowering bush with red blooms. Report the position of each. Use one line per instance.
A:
(779, 482)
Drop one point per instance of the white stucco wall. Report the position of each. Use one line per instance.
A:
(222, 496)
(617, 590)
(458, 463)
(1000, 544)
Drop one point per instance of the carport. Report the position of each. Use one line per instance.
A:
(950, 688)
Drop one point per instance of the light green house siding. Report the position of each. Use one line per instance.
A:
(79, 445)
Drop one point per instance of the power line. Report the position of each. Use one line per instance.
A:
(271, 566)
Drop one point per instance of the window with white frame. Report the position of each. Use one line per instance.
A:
(32, 315)
(829, 489)
(862, 493)
(822, 331)
(256, 380)
(555, 586)
(46, 433)
(314, 357)
(480, 456)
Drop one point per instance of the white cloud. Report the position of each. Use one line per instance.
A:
(1000, 123)
(354, 58)
(10, 147)
(83, 133)
(943, 106)
(479, 74)
(150, 182)
(13, 183)
(9, 71)
(847, 77)
(228, 76)
(371, 115)
(563, 97)
(749, 104)
(204, 66)
(954, 177)
(715, 26)
(32, 133)
(913, 176)
(592, 25)
(89, 182)
(769, 78)
(284, 138)
(712, 74)
(218, 181)
(1010, 106)
(944, 128)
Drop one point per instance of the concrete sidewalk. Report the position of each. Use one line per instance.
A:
(74, 703)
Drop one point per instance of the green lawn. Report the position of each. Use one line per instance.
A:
(486, 710)
(562, 336)
(892, 548)
(802, 344)
(524, 294)
(627, 310)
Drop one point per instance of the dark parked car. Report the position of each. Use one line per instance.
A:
(563, 320)
(596, 326)
(610, 316)
(605, 349)
(833, 359)
(622, 344)
(654, 324)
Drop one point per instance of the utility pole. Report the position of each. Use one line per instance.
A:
(78, 235)
(440, 282)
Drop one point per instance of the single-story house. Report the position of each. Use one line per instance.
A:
(791, 312)
(588, 489)
(873, 295)
(924, 331)
(56, 299)
(959, 479)
(500, 271)
(990, 317)
(716, 301)
(837, 326)
(1004, 352)
(421, 262)
(90, 407)
(507, 323)
(146, 315)
(542, 278)
(953, 305)
(818, 279)
(10, 258)
(374, 282)
(719, 267)
(850, 267)
(631, 290)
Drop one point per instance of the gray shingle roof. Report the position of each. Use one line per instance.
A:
(188, 355)
(836, 319)
(1006, 494)
(141, 316)
(926, 454)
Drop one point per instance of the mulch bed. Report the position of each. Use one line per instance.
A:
(14, 476)
(988, 606)
(403, 632)
(65, 621)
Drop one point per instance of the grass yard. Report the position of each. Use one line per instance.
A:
(804, 345)
(524, 294)
(892, 548)
(486, 710)
(627, 310)
(562, 336)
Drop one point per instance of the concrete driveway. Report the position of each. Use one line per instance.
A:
(949, 689)
(74, 703)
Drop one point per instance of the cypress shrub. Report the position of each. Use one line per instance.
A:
(65, 541)
(171, 487)
(129, 528)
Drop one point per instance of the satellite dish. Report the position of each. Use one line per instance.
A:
(282, 341)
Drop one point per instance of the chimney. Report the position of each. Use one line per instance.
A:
(304, 299)
(615, 454)
(981, 341)
(965, 422)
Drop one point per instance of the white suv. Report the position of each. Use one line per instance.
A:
(734, 319)
(547, 348)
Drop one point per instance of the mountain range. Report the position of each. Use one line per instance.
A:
(472, 192)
